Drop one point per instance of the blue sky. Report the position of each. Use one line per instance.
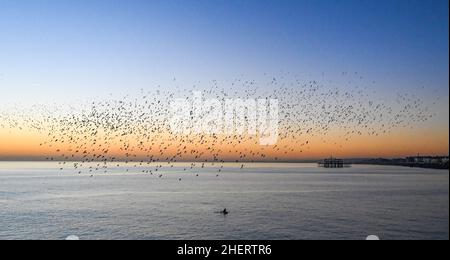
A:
(60, 49)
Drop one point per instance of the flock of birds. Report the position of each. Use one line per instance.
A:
(134, 131)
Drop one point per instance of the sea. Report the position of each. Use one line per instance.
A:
(282, 201)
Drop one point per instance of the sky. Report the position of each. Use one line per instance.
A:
(61, 50)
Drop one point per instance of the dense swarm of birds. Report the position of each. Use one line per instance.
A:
(134, 132)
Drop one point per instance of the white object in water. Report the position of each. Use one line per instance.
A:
(72, 237)
(372, 237)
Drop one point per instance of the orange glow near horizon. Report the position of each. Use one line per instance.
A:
(25, 144)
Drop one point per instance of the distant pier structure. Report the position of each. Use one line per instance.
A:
(333, 163)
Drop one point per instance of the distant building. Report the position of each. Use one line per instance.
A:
(333, 163)
(428, 159)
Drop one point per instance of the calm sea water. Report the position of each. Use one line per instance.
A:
(266, 201)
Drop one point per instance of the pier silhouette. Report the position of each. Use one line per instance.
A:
(332, 163)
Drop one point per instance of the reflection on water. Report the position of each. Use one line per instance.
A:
(266, 201)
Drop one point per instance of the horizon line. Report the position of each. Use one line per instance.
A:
(138, 160)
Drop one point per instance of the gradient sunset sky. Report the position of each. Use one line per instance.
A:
(61, 51)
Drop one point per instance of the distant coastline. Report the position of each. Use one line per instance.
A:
(428, 162)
